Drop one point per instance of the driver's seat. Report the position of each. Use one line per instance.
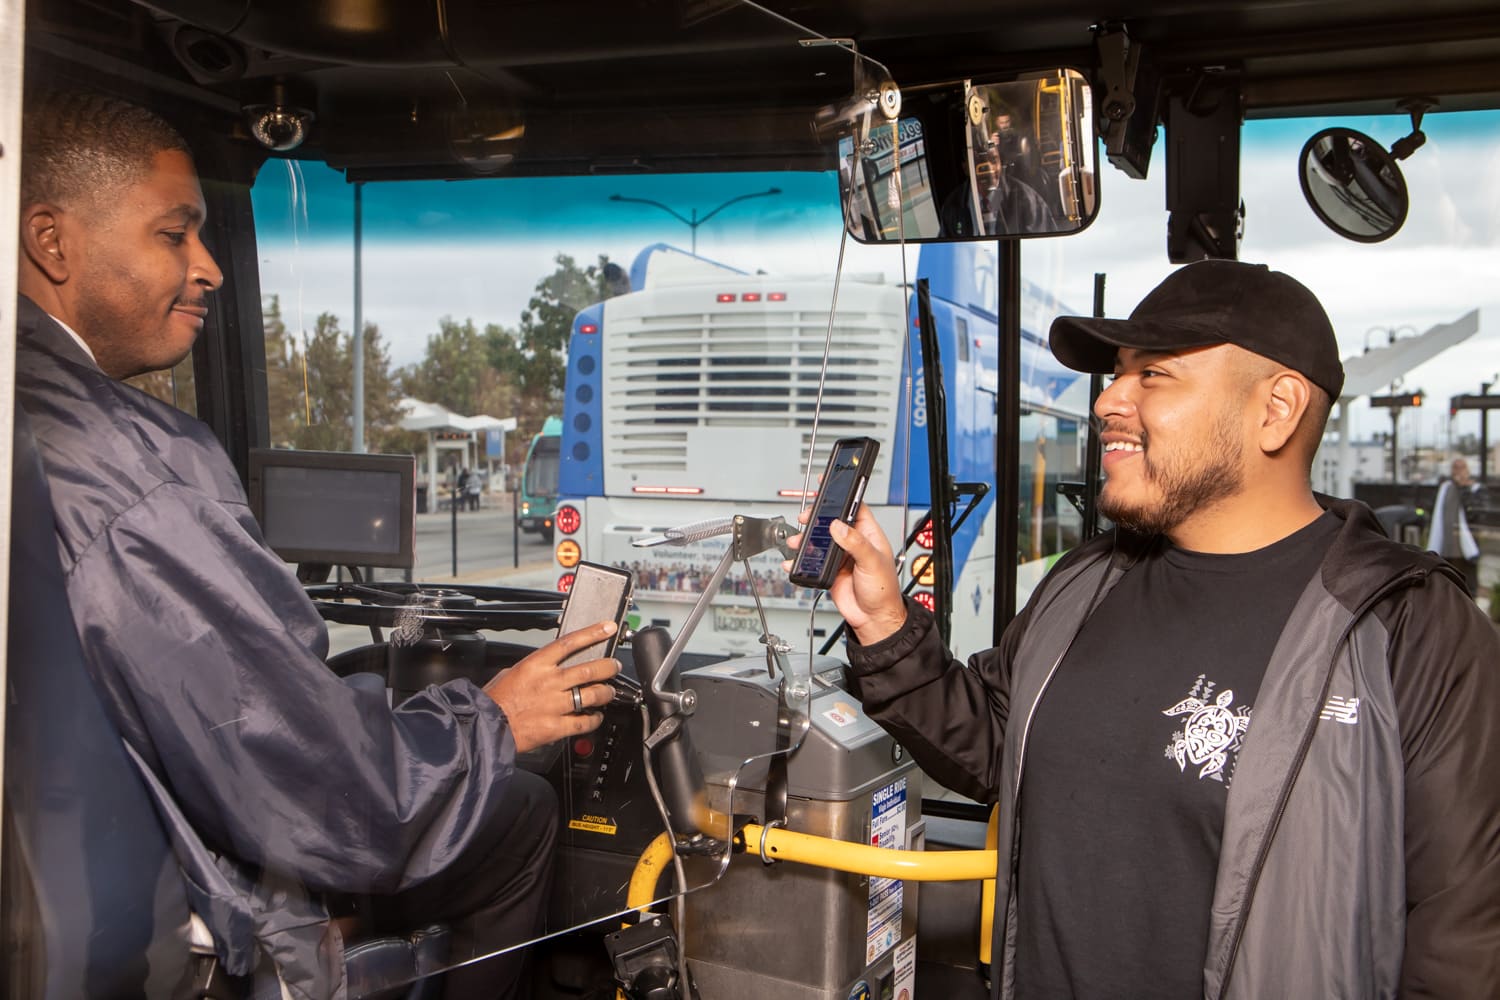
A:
(94, 902)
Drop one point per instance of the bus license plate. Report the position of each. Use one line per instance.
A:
(736, 620)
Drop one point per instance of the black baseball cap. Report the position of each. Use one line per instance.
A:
(1214, 302)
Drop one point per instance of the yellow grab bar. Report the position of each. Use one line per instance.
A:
(648, 868)
(987, 889)
(866, 859)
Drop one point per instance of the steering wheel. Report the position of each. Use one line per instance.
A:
(395, 604)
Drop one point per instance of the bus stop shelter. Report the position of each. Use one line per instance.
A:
(481, 439)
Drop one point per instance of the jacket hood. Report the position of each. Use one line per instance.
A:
(1362, 561)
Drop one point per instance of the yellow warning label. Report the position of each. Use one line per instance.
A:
(593, 824)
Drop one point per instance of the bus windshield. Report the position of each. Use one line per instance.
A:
(614, 315)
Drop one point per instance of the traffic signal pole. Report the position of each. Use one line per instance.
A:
(1395, 403)
(1484, 403)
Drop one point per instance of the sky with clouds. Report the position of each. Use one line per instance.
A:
(477, 248)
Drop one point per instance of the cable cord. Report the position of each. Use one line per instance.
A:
(680, 897)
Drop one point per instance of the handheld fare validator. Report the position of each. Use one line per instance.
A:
(843, 487)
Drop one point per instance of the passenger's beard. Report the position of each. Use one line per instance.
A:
(1185, 483)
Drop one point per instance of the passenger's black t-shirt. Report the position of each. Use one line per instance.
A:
(1128, 762)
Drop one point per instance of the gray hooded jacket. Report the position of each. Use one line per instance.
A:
(1358, 860)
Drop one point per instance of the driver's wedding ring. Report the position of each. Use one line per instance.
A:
(577, 700)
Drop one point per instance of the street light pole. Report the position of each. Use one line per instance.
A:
(357, 404)
(1484, 436)
(695, 221)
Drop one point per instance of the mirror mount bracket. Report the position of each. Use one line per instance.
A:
(1206, 215)
(1416, 107)
(1128, 110)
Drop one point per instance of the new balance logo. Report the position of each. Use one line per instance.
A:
(1345, 710)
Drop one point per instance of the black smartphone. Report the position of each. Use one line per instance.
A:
(599, 593)
(843, 487)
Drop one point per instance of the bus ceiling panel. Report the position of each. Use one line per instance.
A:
(610, 65)
(480, 33)
(653, 140)
(1461, 86)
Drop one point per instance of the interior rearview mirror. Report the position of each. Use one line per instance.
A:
(1354, 185)
(977, 161)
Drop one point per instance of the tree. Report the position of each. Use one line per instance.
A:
(383, 394)
(456, 372)
(173, 385)
(310, 387)
(285, 400)
(330, 387)
(534, 359)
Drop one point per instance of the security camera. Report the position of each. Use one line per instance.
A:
(278, 127)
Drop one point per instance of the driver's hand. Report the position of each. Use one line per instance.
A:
(537, 695)
(866, 590)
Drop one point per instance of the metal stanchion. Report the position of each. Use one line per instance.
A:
(453, 517)
(515, 528)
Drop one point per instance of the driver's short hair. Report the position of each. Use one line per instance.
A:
(78, 146)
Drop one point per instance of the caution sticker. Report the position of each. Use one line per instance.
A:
(593, 824)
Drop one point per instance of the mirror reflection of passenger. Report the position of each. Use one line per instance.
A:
(1010, 206)
(1243, 745)
(207, 652)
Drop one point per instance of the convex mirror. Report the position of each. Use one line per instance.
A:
(1354, 185)
(977, 161)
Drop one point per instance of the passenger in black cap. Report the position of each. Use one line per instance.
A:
(1259, 739)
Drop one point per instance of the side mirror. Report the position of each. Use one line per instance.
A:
(977, 161)
(1353, 185)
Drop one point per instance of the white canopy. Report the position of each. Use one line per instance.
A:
(419, 415)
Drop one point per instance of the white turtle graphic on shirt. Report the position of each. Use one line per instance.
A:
(1211, 734)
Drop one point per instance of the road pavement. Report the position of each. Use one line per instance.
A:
(486, 548)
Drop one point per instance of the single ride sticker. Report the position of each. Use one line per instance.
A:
(888, 830)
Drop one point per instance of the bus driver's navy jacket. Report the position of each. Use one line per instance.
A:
(209, 657)
(1358, 861)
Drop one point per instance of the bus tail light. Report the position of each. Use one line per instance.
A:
(568, 519)
(922, 597)
(924, 535)
(565, 583)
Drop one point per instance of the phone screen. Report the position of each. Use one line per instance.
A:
(840, 482)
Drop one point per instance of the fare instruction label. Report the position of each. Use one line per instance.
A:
(888, 830)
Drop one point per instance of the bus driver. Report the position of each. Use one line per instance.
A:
(207, 653)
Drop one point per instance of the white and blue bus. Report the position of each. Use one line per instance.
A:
(692, 398)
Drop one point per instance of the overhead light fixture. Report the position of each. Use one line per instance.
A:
(485, 140)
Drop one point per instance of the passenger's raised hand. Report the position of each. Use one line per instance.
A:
(866, 590)
(538, 696)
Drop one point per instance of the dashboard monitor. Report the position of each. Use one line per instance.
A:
(338, 508)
